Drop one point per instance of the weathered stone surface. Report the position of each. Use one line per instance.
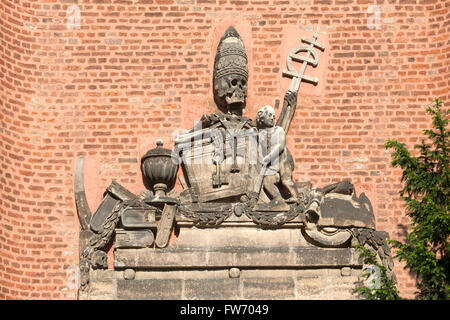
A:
(307, 288)
(151, 289)
(167, 274)
(229, 257)
(258, 288)
(104, 209)
(248, 247)
(346, 271)
(165, 225)
(314, 283)
(129, 274)
(119, 192)
(325, 257)
(135, 218)
(133, 239)
(242, 236)
(105, 276)
(212, 289)
(339, 210)
(328, 285)
(274, 273)
(234, 273)
(102, 286)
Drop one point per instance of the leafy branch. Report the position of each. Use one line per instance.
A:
(386, 288)
(426, 193)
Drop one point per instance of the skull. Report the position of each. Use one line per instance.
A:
(231, 92)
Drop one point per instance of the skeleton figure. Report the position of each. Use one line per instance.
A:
(230, 74)
(230, 78)
(273, 153)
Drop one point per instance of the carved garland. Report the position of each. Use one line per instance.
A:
(270, 219)
(205, 218)
(376, 242)
(92, 256)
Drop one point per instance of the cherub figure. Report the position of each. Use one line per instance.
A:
(274, 155)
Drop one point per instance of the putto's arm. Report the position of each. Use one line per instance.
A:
(288, 110)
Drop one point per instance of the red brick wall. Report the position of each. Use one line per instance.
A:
(136, 70)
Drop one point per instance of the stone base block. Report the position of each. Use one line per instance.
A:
(238, 263)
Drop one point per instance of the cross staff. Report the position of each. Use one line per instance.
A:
(287, 113)
(297, 77)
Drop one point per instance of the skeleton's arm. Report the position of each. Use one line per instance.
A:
(193, 135)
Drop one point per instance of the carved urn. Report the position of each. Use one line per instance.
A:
(159, 169)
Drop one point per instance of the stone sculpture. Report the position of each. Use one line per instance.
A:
(275, 164)
(224, 186)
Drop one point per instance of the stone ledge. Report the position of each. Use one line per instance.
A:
(226, 257)
(319, 283)
(269, 288)
(212, 289)
(155, 289)
(259, 285)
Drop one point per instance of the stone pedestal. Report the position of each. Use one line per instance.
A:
(231, 262)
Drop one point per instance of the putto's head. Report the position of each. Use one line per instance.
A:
(265, 117)
(230, 73)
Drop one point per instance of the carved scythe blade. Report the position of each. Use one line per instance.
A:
(83, 211)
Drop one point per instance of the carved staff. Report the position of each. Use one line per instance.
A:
(262, 173)
(290, 99)
(257, 188)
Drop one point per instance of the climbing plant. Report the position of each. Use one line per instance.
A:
(377, 284)
(426, 193)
